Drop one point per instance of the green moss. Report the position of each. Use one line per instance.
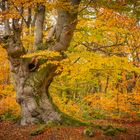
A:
(39, 130)
(96, 126)
(39, 121)
(104, 128)
(67, 120)
(41, 61)
(89, 132)
(110, 132)
(124, 130)
(53, 123)
(37, 98)
(9, 116)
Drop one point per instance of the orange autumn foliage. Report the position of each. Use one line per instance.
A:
(7, 93)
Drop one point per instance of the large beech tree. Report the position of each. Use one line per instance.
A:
(32, 85)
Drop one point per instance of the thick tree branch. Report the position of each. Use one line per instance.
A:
(40, 17)
(66, 23)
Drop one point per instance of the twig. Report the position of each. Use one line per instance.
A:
(20, 14)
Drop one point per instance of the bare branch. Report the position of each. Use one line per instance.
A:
(101, 48)
(66, 23)
(86, 6)
(20, 12)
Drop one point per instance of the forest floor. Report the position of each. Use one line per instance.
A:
(13, 131)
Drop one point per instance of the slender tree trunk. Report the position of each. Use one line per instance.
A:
(107, 84)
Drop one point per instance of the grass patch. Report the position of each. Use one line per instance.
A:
(8, 116)
(90, 132)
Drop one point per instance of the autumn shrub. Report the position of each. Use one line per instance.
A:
(118, 106)
(100, 106)
(8, 105)
(8, 102)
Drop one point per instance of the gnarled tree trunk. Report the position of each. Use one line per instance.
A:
(32, 85)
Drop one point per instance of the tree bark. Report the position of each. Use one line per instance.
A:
(40, 17)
